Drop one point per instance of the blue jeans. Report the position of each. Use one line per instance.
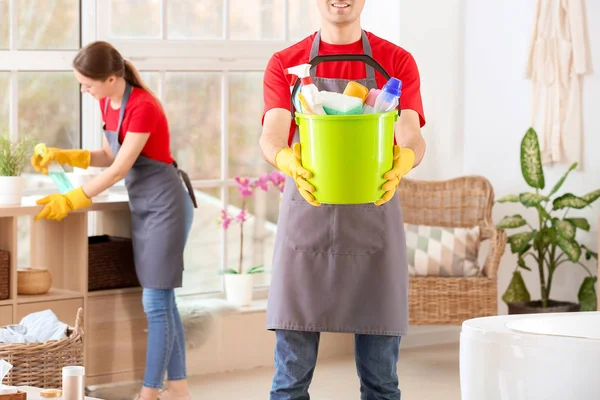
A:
(166, 338)
(296, 356)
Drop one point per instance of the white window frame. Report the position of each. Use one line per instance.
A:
(223, 56)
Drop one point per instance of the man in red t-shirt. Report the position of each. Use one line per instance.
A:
(339, 268)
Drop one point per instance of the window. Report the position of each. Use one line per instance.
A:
(40, 97)
(203, 58)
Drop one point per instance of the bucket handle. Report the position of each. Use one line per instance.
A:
(340, 57)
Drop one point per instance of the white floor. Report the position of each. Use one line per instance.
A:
(430, 373)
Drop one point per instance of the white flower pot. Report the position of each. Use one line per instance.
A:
(11, 190)
(238, 288)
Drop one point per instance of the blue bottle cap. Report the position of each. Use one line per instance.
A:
(393, 86)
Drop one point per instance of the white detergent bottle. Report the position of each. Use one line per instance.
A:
(55, 171)
(309, 91)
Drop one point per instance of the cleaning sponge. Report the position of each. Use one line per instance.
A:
(340, 104)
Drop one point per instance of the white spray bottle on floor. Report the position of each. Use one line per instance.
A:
(55, 171)
(309, 91)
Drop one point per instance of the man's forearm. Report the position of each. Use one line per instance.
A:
(416, 143)
(270, 145)
(408, 134)
(275, 134)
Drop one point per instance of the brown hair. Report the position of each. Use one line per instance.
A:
(100, 60)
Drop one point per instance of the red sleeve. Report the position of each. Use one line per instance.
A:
(143, 118)
(276, 87)
(102, 104)
(411, 86)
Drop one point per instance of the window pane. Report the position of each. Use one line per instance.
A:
(203, 249)
(4, 24)
(135, 18)
(48, 25)
(256, 19)
(152, 79)
(304, 18)
(259, 231)
(193, 104)
(49, 109)
(195, 19)
(245, 112)
(4, 98)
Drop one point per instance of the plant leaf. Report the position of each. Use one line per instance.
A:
(516, 291)
(511, 198)
(519, 241)
(564, 228)
(592, 196)
(544, 213)
(525, 249)
(562, 180)
(588, 300)
(515, 221)
(228, 271)
(531, 199)
(580, 223)
(589, 254)
(568, 200)
(256, 270)
(570, 247)
(522, 264)
(531, 161)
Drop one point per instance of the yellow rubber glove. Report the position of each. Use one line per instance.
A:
(404, 161)
(289, 161)
(42, 156)
(57, 206)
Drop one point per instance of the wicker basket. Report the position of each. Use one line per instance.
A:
(40, 364)
(4, 274)
(458, 203)
(110, 263)
(32, 281)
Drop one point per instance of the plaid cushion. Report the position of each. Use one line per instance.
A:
(439, 251)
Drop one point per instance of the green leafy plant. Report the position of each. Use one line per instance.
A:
(14, 155)
(551, 243)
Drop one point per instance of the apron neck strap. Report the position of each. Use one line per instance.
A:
(314, 51)
(128, 89)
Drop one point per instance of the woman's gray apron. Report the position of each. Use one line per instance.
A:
(158, 214)
(339, 268)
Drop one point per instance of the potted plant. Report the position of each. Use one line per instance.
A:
(14, 156)
(239, 284)
(550, 242)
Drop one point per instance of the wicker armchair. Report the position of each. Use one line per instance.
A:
(462, 202)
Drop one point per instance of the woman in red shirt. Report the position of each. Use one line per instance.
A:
(136, 148)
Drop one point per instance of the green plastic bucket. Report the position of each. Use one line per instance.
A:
(347, 154)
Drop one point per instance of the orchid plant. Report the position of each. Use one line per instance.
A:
(247, 187)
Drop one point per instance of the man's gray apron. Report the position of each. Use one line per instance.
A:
(158, 214)
(339, 268)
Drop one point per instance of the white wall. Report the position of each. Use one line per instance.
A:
(472, 56)
(497, 114)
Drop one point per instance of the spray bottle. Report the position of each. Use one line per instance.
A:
(55, 171)
(309, 90)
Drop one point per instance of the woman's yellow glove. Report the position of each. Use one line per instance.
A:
(404, 161)
(289, 161)
(42, 156)
(57, 206)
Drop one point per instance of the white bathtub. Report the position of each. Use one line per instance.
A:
(531, 357)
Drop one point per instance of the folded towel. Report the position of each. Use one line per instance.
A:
(37, 327)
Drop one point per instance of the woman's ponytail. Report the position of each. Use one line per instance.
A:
(99, 60)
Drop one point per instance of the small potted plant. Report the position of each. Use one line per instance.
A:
(550, 242)
(239, 284)
(14, 156)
